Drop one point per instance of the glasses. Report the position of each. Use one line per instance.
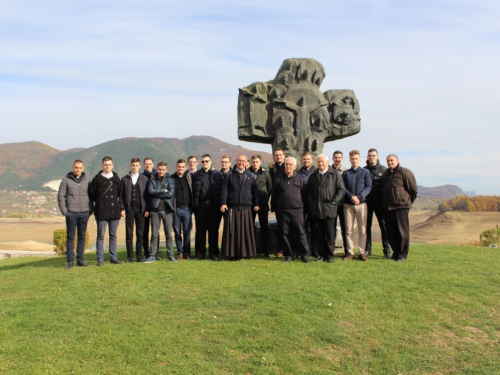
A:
(205, 161)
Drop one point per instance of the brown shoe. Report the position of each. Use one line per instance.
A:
(363, 257)
(180, 257)
(348, 257)
(279, 255)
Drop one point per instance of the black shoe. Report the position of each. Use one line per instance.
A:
(387, 254)
(305, 259)
(265, 256)
(213, 257)
(330, 260)
(130, 260)
(288, 259)
(115, 261)
(172, 259)
(81, 263)
(157, 257)
(100, 263)
(69, 265)
(320, 259)
(368, 253)
(394, 256)
(201, 257)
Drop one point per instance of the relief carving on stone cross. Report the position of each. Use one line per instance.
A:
(291, 113)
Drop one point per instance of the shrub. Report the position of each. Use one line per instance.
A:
(490, 236)
(59, 240)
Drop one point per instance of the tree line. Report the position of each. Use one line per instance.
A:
(471, 204)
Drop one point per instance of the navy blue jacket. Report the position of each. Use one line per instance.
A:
(126, 192)
(156, 190)
(216, 179)
(357, 182)
(240, 196)
(305, 173)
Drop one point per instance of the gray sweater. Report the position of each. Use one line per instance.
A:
(73, 195)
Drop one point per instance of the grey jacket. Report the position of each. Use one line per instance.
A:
(73, 196)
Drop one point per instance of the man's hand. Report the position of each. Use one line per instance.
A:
(256, 208)
(123, 213)
(223, 208)
(355, 200)
(146, 214)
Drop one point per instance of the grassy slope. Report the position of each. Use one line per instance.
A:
(436, 313)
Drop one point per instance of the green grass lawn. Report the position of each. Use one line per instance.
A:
(439, 312)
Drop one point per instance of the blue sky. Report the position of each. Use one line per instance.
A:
(426, 74)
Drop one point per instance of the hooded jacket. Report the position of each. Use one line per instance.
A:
(324, 193)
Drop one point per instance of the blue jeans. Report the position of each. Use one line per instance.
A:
(183, 217)
(101, 231)
(167, 219)
(76, 221)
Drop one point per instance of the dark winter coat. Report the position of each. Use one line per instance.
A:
(324, 193)
(127, 188)
(399, 189)
(189, 179)
(156, 190)
(216, 180)
(105, 196)
(241, 196)
(305, 173)
(275, 170)
(357, 183)
(375, 197)
(73, 196)
(288, 192)
(265, 186)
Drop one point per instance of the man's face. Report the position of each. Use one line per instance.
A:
(148, 165)
(279, 157)
(307, 161)
(256, 163)
(355, 160)
(162, 170)
(180, 168)
(77, 169)
(206, 163)
(392, 162)
(290, 167)
(135, 167)
(337, 160)
(193, 164)
(107, 166)
(241, 162)
(372, 157)
(322, 163)
(225, 163)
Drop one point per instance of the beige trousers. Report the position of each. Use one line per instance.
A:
(359, 213)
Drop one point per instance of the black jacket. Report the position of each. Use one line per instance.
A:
(156, 190)
(265, 186)
(216, 179)
(275, 170)
(105, 196)
(188, 177)
(288, 193)
(126, 192)
(305, 173)
(375, 197)
(241, 196)
(324, 193)
(400, 188)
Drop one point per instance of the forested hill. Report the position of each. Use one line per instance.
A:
(29, 165)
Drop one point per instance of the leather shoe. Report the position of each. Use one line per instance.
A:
(130, 260)
(180, 257)
(201, 257)
(348, 257)
(172, 259)
(288, 259)
(100, 263)
(213, 257)
(388, 255)
(362, 257)
(69, 265)
(320, 259)
(305, 259)
(330, 260)
(81, 264)
(368, 253)
(115, 261)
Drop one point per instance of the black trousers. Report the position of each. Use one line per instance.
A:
(207, 220)
(264, 229)
(145, 237)
(324, 231)
(292, 222)
(136, 218)
(341, 218)
(379, 213)
(397, 223)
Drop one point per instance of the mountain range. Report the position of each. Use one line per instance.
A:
(30, 165)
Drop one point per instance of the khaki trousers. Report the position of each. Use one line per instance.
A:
(359, 213)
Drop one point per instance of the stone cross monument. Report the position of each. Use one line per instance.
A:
(291, 113)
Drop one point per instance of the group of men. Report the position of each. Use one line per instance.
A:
(309, 199)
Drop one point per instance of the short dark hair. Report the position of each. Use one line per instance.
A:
(107, 158)
(162, 164)
(135, 160)
(181, 161)
(148, 158)
(256, 156)
(77, 161)
(192, 157)
(278, 149)
(206, 156)
(373, 150)
(338, 152)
